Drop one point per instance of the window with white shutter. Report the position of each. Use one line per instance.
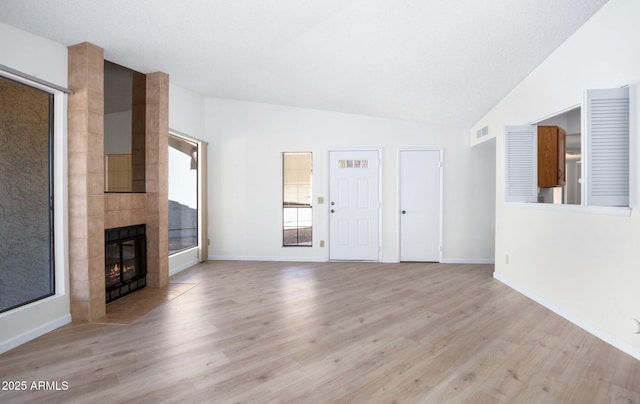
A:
(604, 156)
(606, 147)
(521, 171)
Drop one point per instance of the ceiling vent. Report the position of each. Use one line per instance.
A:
(482, 132)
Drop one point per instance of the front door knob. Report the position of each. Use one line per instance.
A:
(404, 212)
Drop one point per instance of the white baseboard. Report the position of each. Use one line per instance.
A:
(181, 268)
(468, 261)
(580, 322)
(34, 333)
(384, 260)
(446, 261)
(264, 258)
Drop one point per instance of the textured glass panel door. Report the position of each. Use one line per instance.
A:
(26, 240)
(129, 260)
(112, 264)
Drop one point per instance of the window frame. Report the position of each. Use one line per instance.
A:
(587, 203)
(56, 103)
(308, 206)
(199, 147)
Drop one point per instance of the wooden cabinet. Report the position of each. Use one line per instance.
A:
(551, 156)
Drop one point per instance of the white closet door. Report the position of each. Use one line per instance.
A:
(521, 163)
(606, 147)
(420, 205)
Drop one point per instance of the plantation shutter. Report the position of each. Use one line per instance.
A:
(607, 147)
(521, 163)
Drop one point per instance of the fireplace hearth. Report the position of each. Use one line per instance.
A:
(125, 261)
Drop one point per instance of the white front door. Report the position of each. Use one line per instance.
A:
(354, 205)
(420, 205)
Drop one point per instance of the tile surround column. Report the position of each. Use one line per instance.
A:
(86, 181)
(157, 182)
(91, 211)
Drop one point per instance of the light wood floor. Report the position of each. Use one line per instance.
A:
(327, 333)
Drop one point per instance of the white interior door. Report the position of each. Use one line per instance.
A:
(420, 199)
(354, 205)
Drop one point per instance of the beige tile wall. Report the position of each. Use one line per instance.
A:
(86, 181)
(157, 152)
(91, 211)
(124, 209)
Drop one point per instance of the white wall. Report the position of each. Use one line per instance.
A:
(245, 178)
(186, 111)
(25, 52)
(584, 266)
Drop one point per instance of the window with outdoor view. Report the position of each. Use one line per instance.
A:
(296, 199)
(183, 194)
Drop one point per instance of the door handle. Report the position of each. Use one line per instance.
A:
(404, 212)
(333, 211)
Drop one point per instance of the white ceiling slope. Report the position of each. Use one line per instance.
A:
(441, 61)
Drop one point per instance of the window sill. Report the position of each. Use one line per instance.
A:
(584, 209)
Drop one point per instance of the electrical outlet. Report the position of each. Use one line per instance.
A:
(506, 259)
(321, 243)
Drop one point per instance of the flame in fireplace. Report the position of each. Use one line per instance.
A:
(113, 275)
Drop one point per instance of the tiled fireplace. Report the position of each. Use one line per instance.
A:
(91, 210)
(125, 267)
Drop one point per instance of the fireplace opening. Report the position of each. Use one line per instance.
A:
(125, 261)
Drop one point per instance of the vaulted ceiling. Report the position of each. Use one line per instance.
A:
(440, 61)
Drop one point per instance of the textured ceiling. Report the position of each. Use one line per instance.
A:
(441, 61)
